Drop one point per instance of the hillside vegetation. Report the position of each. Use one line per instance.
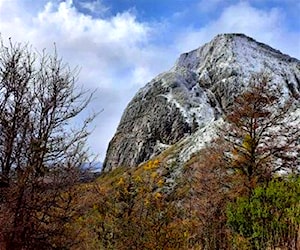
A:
(241, 191)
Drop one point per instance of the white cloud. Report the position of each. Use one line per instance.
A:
(263, 25)
(114, 54)
(95, 7)
(119, 54)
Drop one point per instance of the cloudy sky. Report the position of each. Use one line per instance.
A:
(120, 45)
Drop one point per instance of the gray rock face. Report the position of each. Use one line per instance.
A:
(195, 92)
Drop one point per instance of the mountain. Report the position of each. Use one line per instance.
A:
(184, 105)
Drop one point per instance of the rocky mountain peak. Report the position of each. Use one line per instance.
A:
(193, 94)
(229, 48)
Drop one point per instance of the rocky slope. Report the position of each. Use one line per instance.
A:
(185, 103)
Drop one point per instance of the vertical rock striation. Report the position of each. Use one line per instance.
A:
(196, 91)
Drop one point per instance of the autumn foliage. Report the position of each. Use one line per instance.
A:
(41, 155)
(134, 212)
(264, 140)
(239, 192)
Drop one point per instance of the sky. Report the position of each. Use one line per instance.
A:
(120, 45)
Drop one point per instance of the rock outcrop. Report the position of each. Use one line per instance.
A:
(193, 94)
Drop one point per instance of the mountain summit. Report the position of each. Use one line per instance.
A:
(193, 95)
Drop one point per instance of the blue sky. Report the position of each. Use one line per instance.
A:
(120, 45)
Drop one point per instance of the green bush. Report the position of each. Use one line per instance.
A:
(269, 216)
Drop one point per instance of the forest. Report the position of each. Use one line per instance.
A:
(241, 191)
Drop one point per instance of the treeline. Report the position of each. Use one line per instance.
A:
(135, 213)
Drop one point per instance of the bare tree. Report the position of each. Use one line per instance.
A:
(41, 151)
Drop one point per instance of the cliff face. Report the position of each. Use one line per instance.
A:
(193, 95)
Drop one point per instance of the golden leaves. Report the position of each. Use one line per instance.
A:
(158, 195)
(152, 165)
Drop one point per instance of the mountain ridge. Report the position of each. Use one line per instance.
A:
(194, 94)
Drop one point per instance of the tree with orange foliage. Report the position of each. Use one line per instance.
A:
(258, 140)
(205, 190)
(263, 134)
